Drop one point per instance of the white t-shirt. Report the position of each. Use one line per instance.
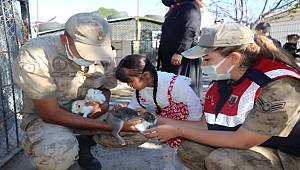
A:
(181, 92)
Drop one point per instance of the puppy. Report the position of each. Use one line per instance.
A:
(117, 118)
(80, 106)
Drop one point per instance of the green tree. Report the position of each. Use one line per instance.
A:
(104, 12)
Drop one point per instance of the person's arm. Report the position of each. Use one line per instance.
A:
(183, 123)
(190, 21)
(240, 139)
(49, 111)
(275, 114)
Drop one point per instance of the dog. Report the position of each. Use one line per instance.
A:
(81, 107)
(117, 118)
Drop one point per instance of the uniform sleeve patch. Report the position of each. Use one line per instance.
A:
(266, 106)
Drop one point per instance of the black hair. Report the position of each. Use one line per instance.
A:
(292, 36)
(135, 65)
(264, 26)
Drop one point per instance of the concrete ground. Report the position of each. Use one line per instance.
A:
(149, 156)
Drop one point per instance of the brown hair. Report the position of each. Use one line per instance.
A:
(263, 48)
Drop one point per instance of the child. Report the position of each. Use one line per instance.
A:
(170, 94)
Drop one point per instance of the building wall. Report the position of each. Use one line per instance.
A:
(284, 24)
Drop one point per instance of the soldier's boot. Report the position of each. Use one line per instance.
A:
(86, 159)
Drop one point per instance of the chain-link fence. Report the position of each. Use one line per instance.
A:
(10, 96)
(147, 48)
(284, 24)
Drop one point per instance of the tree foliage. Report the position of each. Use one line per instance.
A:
(104, 12)
(248, 12)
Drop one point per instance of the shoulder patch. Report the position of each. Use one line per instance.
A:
(59, 63)
(266, 106)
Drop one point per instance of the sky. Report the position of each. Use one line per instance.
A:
(44, 10)
(63, 9)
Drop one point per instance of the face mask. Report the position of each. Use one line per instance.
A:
(95, 70)
(79, 61)
(211, 72)
(168, 3)
(114, 53)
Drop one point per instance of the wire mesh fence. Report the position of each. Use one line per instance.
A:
(10, 96)
(284, 24)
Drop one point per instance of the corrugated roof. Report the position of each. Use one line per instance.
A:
(140, 18)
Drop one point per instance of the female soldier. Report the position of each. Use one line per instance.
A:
(252, 101)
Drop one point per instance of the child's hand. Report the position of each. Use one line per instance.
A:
(119, 105)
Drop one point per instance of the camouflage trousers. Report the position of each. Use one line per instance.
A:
(49, 146)
(201, 157)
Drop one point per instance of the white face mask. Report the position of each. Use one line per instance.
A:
(79, 61)
(114, 53)
(211, 72)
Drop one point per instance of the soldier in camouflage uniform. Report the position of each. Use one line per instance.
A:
(54, 71)
(251, 109)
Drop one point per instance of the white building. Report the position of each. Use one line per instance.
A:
(285, 23)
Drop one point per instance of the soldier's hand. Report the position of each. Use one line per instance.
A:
(129, 127)
(98, 109)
